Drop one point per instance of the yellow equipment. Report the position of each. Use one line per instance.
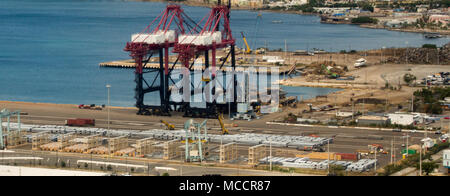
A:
(224, 130)
(248, 50)
(206, 79)
(168, 126)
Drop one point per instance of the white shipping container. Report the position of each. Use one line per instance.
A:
(203, 40)
(187, 39)
(148, 38)
(216, 35)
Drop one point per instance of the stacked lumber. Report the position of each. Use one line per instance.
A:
(39, 139)
(144, 146)
(126, 152)
(54, 146)
(16, 138)
(79, 148)
(98, 150)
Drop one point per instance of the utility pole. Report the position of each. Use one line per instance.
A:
(108, 87)
(407, 145)
(406, 52)
(376, 161)
(392, 150)
(420, 161)
(328, 157)
(270, 152)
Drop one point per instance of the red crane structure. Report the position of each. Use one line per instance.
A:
(176, 30)
(172, 22)
(215, 34)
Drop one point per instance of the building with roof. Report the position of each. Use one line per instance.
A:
(372, 120)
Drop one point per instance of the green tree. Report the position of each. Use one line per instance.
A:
(364, 19)
(432, 46)
(428, 167)
(165, 174)
(408, 78)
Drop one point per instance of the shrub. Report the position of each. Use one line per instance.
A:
(364, 19)
(408, 78)
(165, 174)
(432, 46)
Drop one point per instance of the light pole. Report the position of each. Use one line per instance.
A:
(406, 52)
(108, 87)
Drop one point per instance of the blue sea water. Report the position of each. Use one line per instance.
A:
(50, 49)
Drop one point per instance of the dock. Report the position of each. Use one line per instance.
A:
(130, 64)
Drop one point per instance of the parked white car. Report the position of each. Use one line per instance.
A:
(360, 63)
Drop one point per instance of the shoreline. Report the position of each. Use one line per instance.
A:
(247, 8)
(421, 31)
(54, 104)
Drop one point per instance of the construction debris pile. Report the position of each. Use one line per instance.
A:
(423, 56)
(323, 67)
(360, 166)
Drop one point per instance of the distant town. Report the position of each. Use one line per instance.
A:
(399, 15)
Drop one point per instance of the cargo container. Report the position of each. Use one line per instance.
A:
(348, 156)
(80, 122)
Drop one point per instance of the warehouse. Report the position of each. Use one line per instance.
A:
(401, 119)
(372, 120)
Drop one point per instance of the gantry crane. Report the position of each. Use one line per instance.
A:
(195, 141)
(157, 41)
(173, 27)
(215, 34)
(7, 114)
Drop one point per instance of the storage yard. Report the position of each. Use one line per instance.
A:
(147, 140)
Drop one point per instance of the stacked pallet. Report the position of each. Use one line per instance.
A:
(130, 152)
(16, 138)
(93, 141)
(255, 153)
(54, 146)
(79, 148)
(39, 139)
(118, 143)
(170, 149)
(144, 146)
(98, 150)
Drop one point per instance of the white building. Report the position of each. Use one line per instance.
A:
(297, 2)
(401, 119)
(446, 158)
(428, 142)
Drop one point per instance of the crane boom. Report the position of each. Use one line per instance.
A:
(224, 130)
(248, 50)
